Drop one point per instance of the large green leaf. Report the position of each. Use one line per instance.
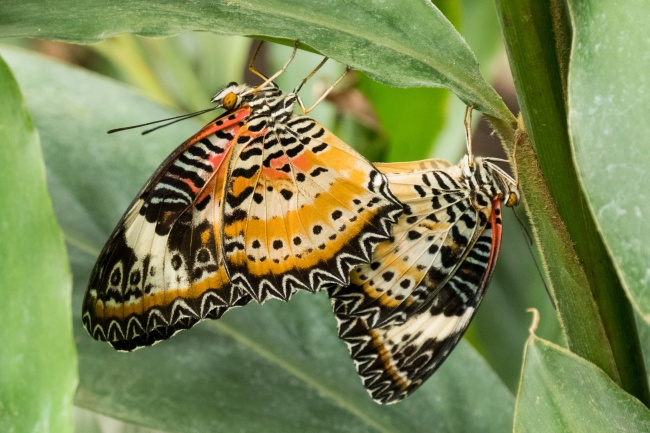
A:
(37, 360)
(277, 367)
(411, 128)
(607, 116)
(596, 316)
(407, 43)
(561, 392)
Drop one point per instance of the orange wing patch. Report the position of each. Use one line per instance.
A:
(301, 210)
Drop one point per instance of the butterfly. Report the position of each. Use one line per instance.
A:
(404, 312)
(258, 204)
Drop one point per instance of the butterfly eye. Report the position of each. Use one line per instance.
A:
(229, 101)
(513, 199)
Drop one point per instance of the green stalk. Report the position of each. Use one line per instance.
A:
(595, 314)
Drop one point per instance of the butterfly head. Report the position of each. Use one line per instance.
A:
(507, 186)
(232, 96)
(483, 172)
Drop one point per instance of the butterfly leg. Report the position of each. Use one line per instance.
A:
(467, 122)
(251, 66)
(311, 74)
(324, 95)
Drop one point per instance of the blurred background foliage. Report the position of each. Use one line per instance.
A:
(383, 123)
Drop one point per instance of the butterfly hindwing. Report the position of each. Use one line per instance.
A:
(395, 360)
(162, 269)
(406, 310)
(429, 240)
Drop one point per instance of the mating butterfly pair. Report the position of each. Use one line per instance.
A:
(261, 203)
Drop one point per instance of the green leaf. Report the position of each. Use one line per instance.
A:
(607, 104)
(87, 421)
(277, 367)
(37, 359)
(412, 128)
(596, 317)
(406, 44)
(411, 119)
(182, 68)
(561, 392)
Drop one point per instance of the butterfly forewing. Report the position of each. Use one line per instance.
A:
(162, 269)
(302, 208)
(400, 327)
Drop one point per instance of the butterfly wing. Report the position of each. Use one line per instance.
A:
(162, 269)
(301, 209)
(407, 309)
(396, 359)
(391, 168)
(438, 226)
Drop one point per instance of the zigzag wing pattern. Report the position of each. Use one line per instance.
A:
(406, 310)
(428, 242)
(395, 360)
(301, 209)
(162, 269)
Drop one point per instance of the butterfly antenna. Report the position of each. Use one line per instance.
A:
(277, 74)
(170, 120)
(529, 244)
(467, 122)
(529, 238)
(327, 92)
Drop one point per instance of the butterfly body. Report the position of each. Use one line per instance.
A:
(406, 310)
(258, 204)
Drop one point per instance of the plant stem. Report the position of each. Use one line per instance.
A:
(595, 313)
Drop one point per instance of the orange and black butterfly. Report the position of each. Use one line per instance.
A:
(258, 204)
(405, 311)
